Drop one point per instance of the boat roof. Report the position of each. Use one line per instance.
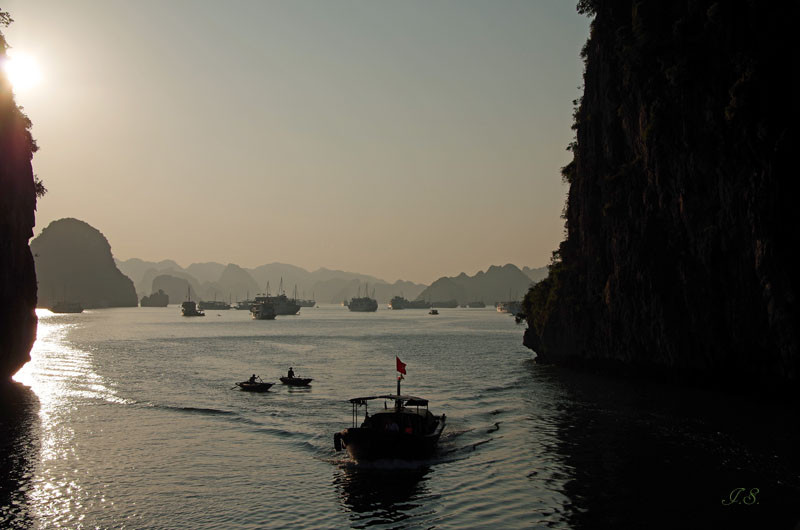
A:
(409, 400)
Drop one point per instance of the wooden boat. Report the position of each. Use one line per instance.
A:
(296, 381)
(405, 431)
(259, 386)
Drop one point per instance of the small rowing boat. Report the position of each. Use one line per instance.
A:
(259, 386)
(296, 381)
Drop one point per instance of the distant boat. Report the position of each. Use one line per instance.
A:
(433, 312)
(67, 307)
(363, 304)
(281, 303)
(512, 307)
(398, 302)
(262, 311)
(244, 304)
(214, 305)
(189, 307)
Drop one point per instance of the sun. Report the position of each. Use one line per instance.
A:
(22, 70)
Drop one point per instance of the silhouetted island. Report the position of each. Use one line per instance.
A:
(178, 289)
(74, 263)
(680, 254)
(18, 192)
(497, 283)
(157, 299)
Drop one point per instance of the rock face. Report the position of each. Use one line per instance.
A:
(17, 206)
(681, 229)
(74, 263)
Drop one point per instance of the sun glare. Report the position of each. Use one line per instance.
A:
(22, 70)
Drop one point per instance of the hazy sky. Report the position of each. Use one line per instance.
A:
(406, 139)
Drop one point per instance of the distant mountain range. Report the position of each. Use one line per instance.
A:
(497, 284)
(213, 280)
(230, 282)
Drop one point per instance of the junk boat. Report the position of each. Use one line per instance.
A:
(189, 309)
(406, 430)
(262, 310)
(363, 304)
(296, 381)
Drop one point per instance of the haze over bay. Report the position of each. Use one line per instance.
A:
(402, 140)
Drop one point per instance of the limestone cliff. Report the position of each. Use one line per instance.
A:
(74, 263)
(681, 242)
(17, 204)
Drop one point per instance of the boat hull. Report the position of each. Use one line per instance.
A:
(247, 386)
(295, 381)
(365, 444)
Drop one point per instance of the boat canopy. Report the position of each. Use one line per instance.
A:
(409, 400)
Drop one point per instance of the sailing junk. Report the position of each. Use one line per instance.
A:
(281, 304)
(189, 307)
(364, 304)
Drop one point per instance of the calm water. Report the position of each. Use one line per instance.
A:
(128, 420)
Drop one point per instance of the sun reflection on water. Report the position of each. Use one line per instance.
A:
(61, 376)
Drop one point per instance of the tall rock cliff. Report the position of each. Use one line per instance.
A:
(17, 205)
(74, 263)
(681, 242)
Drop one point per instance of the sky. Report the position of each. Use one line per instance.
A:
(407, 140)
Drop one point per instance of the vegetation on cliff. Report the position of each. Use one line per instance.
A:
(681, 227)
(18, 191)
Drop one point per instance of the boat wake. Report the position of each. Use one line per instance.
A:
(187, 410)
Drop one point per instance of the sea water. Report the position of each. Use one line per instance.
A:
(129, 418)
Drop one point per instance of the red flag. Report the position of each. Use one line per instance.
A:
(401, 366)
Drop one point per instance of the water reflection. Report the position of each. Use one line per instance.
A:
(19, 449)
(380, 496)
(653, 456)
(60, 376)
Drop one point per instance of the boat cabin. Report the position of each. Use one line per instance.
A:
(408, 414)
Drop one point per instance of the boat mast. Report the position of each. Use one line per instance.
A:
(398, 402)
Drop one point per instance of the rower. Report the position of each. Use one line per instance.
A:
(253, 378)
(291, 373)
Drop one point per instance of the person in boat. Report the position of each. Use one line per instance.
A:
(253, 378)
(291, 373)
